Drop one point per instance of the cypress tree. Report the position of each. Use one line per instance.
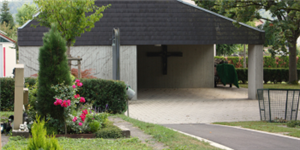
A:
(53, 70)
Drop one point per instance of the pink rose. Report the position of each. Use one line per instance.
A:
(73, 86)
(82, 99)
(74, 119)
(79, 84)
(69, 102)
(64, 104)
(77, 81)
(59, 101)
(85, 112)
(76, 96)
(80, 124)
(55, 103)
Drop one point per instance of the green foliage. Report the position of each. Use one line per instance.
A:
(225, 49)
(53, 70)
(104, 92)
(7, 86)
(94, 126)
(72, 17)
(5, 15)
(39, 138)
(25, 12)
(293, 123)
(270, 74)
(110, 131)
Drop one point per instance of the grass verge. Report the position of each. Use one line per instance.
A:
(275, 86)
(172, 139)
(280, 128)
(19, 143)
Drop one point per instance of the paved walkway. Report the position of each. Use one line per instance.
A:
(197, 105)
(238, 139)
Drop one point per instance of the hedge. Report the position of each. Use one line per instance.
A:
(7, 86)
(104, 92)
(270, 74)
(98, 91)
(269, 62)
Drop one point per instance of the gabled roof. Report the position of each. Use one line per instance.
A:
(149, 22)
(7, 38)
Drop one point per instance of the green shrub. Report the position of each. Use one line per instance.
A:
(94, 126)
(104, 92)
(7, 86)
(276, 75)
(53, 69)
(268, 61)
(109, 131)
(39, 138)
(293, 123)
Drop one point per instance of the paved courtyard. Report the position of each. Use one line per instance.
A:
(194, 105)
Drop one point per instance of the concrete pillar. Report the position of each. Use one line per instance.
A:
(255, 70)
(18, 103)
(215, 49)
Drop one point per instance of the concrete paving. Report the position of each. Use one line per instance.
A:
(194, 105)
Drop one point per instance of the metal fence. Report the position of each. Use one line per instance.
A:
(278, 104)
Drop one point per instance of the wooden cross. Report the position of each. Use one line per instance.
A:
(164, 55)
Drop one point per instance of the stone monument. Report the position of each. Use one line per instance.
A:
(19, 102)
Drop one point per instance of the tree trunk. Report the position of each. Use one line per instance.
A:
(293, 77)
(244, 63)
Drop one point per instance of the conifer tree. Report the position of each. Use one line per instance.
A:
(53, 70)
(5, 15)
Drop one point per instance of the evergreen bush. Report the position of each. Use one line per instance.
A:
(7, 87)
(53, 69)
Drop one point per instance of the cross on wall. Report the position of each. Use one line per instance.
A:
(164, 54)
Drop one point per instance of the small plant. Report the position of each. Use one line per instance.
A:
(39, 138)
(293, 123)
(94, 126)
(110, 131)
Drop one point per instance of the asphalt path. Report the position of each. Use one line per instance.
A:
(238, 139)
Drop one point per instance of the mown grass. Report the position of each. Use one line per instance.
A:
(84, 144)
(4, 115)
(172, 139)
(266, 126)
(275, 86)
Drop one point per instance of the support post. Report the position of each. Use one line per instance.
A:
(18, 103)
(116, 53)
(255, 70)
(25, 100)
(79, 68)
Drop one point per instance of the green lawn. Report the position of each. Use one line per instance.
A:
(275, 86)
(18, 143)
(170, 138)
(266, 126)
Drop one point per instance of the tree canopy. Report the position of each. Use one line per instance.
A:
(286, 22)
(5, 15)
(25, 13)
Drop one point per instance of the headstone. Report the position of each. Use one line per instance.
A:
(19, 101)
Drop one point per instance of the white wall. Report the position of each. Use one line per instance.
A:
(10, 59)
(194, 70)
(97, 58)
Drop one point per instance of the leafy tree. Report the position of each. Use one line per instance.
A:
(53, 70)
(225, 49)
(5, 15)
(287, 14)
(73, 17)
(25, 13)
(10, 32)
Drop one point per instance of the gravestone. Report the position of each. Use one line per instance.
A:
(19, 101)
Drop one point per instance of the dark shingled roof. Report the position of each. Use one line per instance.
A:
(149, 22)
